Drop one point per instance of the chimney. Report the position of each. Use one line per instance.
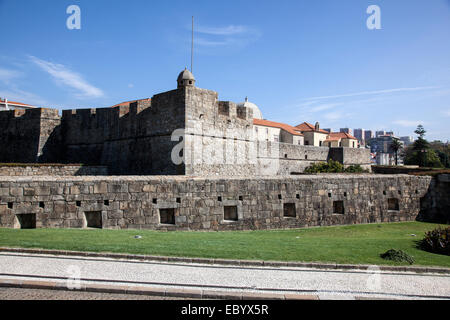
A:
(317, 126)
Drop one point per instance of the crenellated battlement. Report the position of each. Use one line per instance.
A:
(33, 113)
(231, 110)
(141, 136)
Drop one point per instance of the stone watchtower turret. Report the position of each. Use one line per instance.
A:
(186, 79)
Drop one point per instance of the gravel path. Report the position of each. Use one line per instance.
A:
(329, 284)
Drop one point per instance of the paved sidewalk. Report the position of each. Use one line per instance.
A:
(46, 294)
(240, 282)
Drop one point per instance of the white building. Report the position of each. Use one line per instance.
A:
(6, 105)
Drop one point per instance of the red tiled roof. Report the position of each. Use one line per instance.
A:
(340, 135)
(15, 103)
(307, 127)
(279, 125)
(329, 139)
(126, 103)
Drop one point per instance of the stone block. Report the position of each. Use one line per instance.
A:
(101, 187)
(75, 190)
(28, 192)
(42, 191)
(16, 192)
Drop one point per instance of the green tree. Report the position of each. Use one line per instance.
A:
(443, 152)
(420, 131)
(396, 146)
(432, 159)
(420, 152)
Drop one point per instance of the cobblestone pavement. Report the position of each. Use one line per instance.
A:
(327, 284)
(40, 294)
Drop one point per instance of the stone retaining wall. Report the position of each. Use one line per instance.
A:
(183, 203)
(435, 206)
(399, 169)
(52, 170)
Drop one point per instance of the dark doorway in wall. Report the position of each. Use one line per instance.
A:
(393, 204)
(167, 216)
(27, 220)
(93, 219)
(230, 213)
(338, 207)
(289, 210)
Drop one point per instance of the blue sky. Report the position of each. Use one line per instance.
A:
(297, 60)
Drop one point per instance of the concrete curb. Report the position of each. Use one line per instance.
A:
(154, 291)
(227, 262)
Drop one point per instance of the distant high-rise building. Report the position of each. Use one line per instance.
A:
(368, 134)
(383, 144)
(390, 133)
(380, 133)
(359, 134)
(346, 130)
(327, 129)
(407, 140)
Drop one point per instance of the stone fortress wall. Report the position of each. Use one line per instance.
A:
(436, 203)
(30, 136)
(217, 138)
(27, 170)
(129, 140)
(226, 180)
(188, 203)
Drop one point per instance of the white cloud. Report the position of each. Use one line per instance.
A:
(446, 113)
(10, 79)
(209, 43)
(7, 75)
(223, 31)
(376, 92)
(325, 106)
(333, 116)
(408, 123)
(66, 77)
(23, 96)
(231, 36)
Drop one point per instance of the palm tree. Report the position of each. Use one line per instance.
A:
(396, 146)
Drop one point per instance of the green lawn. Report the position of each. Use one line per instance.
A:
(356, 244)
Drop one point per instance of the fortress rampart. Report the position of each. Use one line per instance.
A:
(139, 139)
(24, 170)
(186, 161)
(187, 203)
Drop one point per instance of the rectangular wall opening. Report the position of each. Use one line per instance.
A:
(93, 219)
(338, 207)
(26, 221)
(167, 216)
(224, 109)
(230, 213)
(393, 204)
(289, 210)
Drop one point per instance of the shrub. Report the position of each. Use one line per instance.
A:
(437, 241)
(397, 255)
(325, 167)
(355, 169)
(333, 167)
